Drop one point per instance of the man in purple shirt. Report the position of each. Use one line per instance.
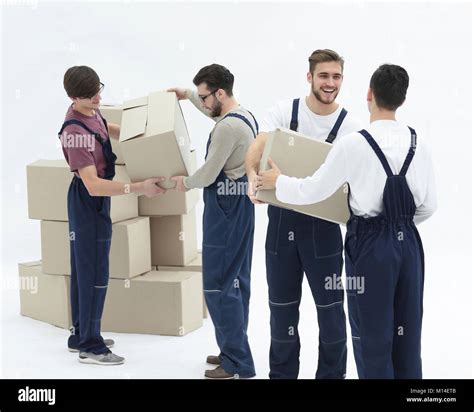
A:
(88, 151)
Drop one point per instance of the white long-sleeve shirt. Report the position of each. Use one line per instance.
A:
(353, 160)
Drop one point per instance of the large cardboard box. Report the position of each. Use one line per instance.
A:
(171, 203)
(162, 303)
(300, 156)
(44, 297)
(130, 252)
(154, 138)
(173, 239)
(48, 183)
(113, 114)
(194, 266)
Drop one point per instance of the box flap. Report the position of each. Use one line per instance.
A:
(133, 123)
(140, 101)
(161, 107)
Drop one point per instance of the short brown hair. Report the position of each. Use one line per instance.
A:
(323, 56)
(81, 81)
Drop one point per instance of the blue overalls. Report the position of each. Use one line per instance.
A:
(298, 243)
(386, 251)
(90, 231)
(228, 228)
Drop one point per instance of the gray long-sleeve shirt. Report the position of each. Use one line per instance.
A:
(230, 140)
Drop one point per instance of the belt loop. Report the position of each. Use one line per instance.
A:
(356, 225)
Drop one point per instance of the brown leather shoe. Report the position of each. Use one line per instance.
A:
(218, 373)
(213, 360)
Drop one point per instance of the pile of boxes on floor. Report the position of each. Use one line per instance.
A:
(155, 284)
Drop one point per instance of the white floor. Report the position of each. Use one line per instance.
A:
(33, 349)
(32, 75)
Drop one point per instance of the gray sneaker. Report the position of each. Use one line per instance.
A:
(108, 342)
(105, 359)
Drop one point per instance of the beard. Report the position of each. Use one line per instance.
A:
(216, 109)
(322, 98)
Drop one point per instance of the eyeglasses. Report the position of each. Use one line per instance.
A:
(204, 97)
(101, 89)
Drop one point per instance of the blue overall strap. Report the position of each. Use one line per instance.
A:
(79, 123)
(411, 153)
(105, 122)
(333, 133)
(244, 119)
(294, 115)
(377, 151)
(254, 119)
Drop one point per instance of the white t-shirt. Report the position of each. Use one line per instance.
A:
(309, 123)
(353, 160)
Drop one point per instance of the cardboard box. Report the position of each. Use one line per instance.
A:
(300, 156)
(171, 203)
(154, 138)
(48, 183)
(130, 253)
(113, 114)
(162, 303)
(44, 297)
(173, 239)
(193, 266)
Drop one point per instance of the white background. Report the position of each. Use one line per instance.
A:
(138, 48)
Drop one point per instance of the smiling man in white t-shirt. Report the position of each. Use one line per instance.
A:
(297, 243)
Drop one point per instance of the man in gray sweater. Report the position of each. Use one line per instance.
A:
(228, 220)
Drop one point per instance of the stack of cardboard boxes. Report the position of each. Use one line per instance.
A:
(155, 281)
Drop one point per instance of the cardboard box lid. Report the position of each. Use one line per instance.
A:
(139, 101)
